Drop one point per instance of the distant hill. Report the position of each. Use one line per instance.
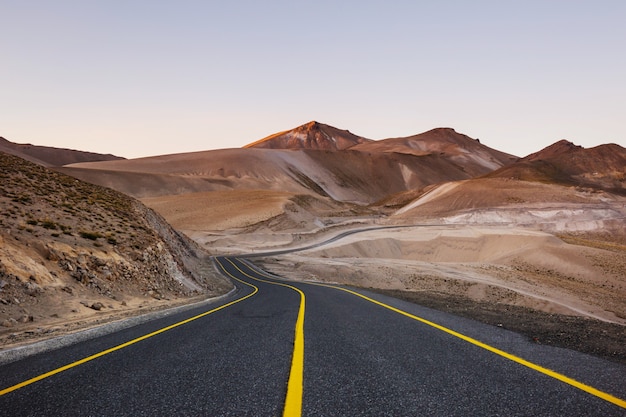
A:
(474, 157)
(303, 161)
(584, 187)
(602, 167)
(344, 176)
(312, 135)
(51, 157)
(397, 175)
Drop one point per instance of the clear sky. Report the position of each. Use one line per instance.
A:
(138, 78)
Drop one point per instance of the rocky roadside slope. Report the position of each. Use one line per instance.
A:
(74, 254)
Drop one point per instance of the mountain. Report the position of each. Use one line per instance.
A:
(563, 187)
(474, 157)
(601, 167)
(343, 176)
(312, 135)
(361, 174)
(438, 173)
(70, 249)
(51, 157)
(562, 147)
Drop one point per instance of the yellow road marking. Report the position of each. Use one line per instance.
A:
(130, 342)
(589, 389)
(295, 385)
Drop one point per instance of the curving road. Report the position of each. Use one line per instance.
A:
(277, 347)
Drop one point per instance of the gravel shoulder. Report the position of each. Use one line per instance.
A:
(582, 334)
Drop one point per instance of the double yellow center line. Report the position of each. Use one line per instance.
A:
(293, 401)
(570, 381)
(295, 385)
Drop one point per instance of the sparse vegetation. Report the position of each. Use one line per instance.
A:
(90, 235)
(49, 224)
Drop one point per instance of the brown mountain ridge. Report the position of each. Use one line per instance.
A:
(601, 167)
(52, 157)
(314, 159)
(469, 154)
(312, 135)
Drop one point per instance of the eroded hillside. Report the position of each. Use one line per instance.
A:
(70, 250)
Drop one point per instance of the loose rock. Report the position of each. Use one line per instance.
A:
(97, 306)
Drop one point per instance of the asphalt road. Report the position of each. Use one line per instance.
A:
(362, 355)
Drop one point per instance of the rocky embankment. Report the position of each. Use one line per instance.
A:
(73, 253)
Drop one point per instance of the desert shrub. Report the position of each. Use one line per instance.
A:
(22, 199)
(49, 224)
(111, 239)
(90, 235)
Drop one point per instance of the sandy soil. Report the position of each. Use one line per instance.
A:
(515, 266)
(528, 281)
(520, 202)
(219, 210)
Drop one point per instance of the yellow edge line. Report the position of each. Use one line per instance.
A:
(589, 389)
(295, 385)
(126, 344)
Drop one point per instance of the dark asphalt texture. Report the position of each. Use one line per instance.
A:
(234, 362)
(361, 359)
(364, 360)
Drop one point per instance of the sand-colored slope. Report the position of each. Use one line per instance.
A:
(219, 210)
(225, 169)
(221, 162)
(346, 176)
(486, 193)
(504, 265)
(550, 207)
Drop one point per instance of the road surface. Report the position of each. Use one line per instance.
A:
(276, 347)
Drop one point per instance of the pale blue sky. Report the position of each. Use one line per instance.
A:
(139, 78)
